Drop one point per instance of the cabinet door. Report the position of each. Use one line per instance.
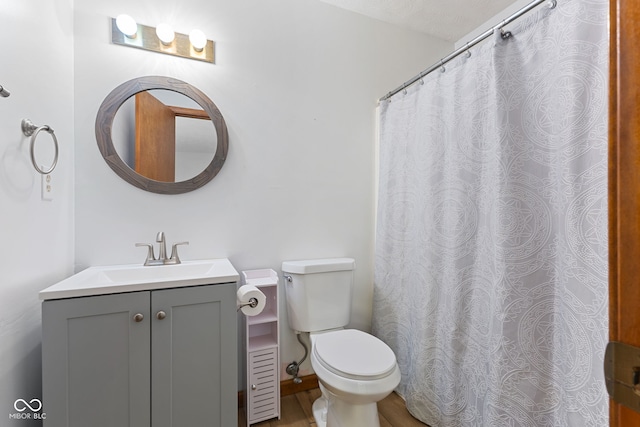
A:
(194, 356)
(263, 389)
(95, 358)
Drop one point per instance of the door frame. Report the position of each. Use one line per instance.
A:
(624, 185)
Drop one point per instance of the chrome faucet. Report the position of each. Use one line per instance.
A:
(163, 246)
(162, 257)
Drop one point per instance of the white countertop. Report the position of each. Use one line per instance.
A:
(112, 279)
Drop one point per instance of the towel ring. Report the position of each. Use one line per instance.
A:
(29, 129)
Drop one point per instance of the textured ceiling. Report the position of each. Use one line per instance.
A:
(447, 19)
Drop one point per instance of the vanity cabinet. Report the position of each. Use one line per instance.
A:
(156, 358)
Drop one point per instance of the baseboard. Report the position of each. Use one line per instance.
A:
(288, 387)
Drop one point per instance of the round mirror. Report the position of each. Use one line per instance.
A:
(156, 133)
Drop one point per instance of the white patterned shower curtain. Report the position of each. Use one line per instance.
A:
(491, 244)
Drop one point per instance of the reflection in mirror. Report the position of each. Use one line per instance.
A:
(156, 133)
(197, 146)
(164, 136)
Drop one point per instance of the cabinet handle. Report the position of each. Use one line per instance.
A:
(253, 387)
(161, 315)
(138, 317)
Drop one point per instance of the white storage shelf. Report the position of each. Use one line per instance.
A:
(270, 312)
(262, 342)
(262, 336)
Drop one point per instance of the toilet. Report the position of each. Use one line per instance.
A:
(355, 369)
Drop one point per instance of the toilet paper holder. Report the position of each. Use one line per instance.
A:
(253, 302)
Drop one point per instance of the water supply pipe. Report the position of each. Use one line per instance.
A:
(294, 367)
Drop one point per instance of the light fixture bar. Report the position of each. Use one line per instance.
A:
(147, 39)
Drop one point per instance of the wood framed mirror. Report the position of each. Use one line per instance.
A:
(144, 153)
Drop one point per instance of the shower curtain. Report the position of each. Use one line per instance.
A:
(491, 242)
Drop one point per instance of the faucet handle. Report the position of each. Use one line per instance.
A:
(174, 252)
(150, 255)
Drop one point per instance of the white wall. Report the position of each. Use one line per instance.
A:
(297, 82)
(36, 247)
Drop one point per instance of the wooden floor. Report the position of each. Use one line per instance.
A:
(296, 412)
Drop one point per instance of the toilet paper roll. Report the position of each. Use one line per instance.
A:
(244, 296)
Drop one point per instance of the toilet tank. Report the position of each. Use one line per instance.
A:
(318, 293)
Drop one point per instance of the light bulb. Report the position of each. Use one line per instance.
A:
(165, 33)
(127, 25)
(198, 40)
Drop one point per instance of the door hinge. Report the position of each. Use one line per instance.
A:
(622, 374)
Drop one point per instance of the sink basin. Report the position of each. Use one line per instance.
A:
(159, 273)
(130, 278)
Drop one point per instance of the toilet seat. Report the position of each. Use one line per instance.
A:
(354, 354)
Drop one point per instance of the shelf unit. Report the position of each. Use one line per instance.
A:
(262, 348)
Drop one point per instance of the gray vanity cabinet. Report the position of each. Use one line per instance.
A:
(160, 358)
(95, 361)
(194, 372)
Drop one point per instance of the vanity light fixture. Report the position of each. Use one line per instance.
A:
(165, 33)
(198, 40)
(127, 26)
(126, 32)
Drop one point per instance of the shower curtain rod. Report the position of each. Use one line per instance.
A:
(440, 64)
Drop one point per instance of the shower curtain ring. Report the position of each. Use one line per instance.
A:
(442, 69)
(468, 53)
(504, 34)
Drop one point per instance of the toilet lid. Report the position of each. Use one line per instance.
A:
(354, 354)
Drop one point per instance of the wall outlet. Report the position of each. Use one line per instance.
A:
(47, 187)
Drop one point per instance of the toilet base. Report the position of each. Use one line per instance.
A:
(328, 411)
(319, 408)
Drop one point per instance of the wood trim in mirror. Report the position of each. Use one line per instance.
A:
(114, 101)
